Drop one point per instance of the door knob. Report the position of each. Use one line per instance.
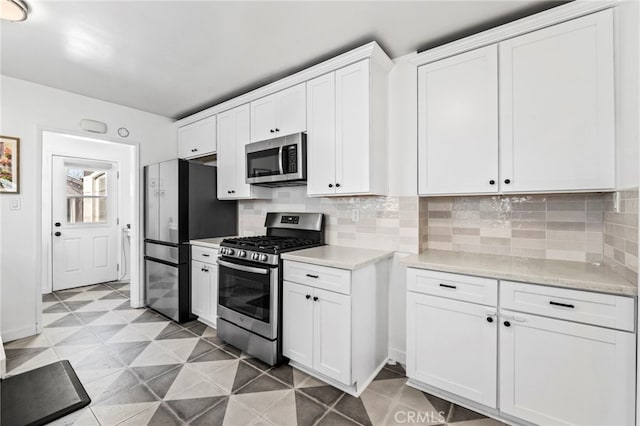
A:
(57, 234)
(57, 224)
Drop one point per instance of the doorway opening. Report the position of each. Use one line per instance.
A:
(90, 214)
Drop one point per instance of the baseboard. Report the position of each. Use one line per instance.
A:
(19, 333)
(398, 355)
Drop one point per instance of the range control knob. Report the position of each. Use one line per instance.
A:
(263, 257)
(255, 256)
(223, 250)
(242, 253)
(230, 252)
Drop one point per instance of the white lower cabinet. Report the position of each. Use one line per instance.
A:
(204, 286)
(318, 337)
(340, 335)
(453, 345)
(519, 365)
(563, 373)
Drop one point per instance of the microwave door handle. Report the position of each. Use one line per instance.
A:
(243, 268)
(280, 160)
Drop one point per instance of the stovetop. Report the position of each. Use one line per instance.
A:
(269, 244)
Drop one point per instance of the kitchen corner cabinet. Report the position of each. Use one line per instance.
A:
(347, 131)
(197, 139)
(280, 114)
(204, 284)
(335, 322)
(233, 135)
(553, 355)
(551, 128)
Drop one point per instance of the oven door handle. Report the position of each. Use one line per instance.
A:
(243, 268)
(280, 160)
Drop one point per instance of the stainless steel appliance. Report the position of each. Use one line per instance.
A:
(277, 162)
(250, 282)
(180, 205)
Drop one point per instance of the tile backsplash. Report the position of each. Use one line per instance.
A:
(621, 234)
(549, 226)
(376, 222)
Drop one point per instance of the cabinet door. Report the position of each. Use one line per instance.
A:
(557, 107)
(213, 292)
(332, 335)
(458, 124)
(453, 346)
(197, 139)
(559, 372)
(263, 118)
(291, 114)
(233, 135)
(352, 128)
(321, 135)
(297, 323)
(200, 291)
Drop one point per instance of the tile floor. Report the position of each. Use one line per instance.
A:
(140, 368)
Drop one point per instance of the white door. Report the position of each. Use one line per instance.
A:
(85, 223)
(291, 114)
(297, 323)
(563, 373)
(200, 289)
(452, 345)
(352, 128)
(263, 118)
(321, 135)
(332, 335)
(458, 124)
(557, 107)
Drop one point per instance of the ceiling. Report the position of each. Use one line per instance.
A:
(174, 58)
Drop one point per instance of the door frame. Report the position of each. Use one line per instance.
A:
(129, 202)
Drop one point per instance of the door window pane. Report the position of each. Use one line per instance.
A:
(86, 191)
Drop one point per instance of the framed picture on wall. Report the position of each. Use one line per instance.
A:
(9, 160)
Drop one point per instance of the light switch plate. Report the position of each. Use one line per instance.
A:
(15, 204)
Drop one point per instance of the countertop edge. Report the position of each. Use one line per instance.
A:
(351, 266)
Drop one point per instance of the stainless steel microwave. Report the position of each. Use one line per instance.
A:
(277, 162)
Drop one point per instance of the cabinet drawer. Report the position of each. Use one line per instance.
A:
(575, 305)
(332, 279)
(453, 286)
(204, 254)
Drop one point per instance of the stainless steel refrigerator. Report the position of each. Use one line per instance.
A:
(181, 204)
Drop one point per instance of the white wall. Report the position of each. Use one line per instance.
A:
(627, 95)
(27, 109)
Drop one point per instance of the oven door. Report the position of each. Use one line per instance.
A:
(248, 296)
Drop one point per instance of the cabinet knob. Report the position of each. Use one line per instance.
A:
(492, 182)
(233, 191)
(315, 298)
(337, 185)
(330, 185)
(507, 324)
(308, 296)
(57, 234)
(194, 149)
(277, 130)
(228, 192)
(489, 319)
(57, 224)
(507, 181)
(272, 131)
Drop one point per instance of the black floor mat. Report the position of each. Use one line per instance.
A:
(42, 395)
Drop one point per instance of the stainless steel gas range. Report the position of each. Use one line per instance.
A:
(250, 282)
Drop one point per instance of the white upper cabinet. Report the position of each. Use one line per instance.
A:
(458, 125)
(557, 107)
(346, 138)
(280, 114)
(233, 135)
(541, 107)
(197, 139)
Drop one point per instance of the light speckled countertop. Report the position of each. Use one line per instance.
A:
(213, 243)
(338, 256)
(559, 273)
